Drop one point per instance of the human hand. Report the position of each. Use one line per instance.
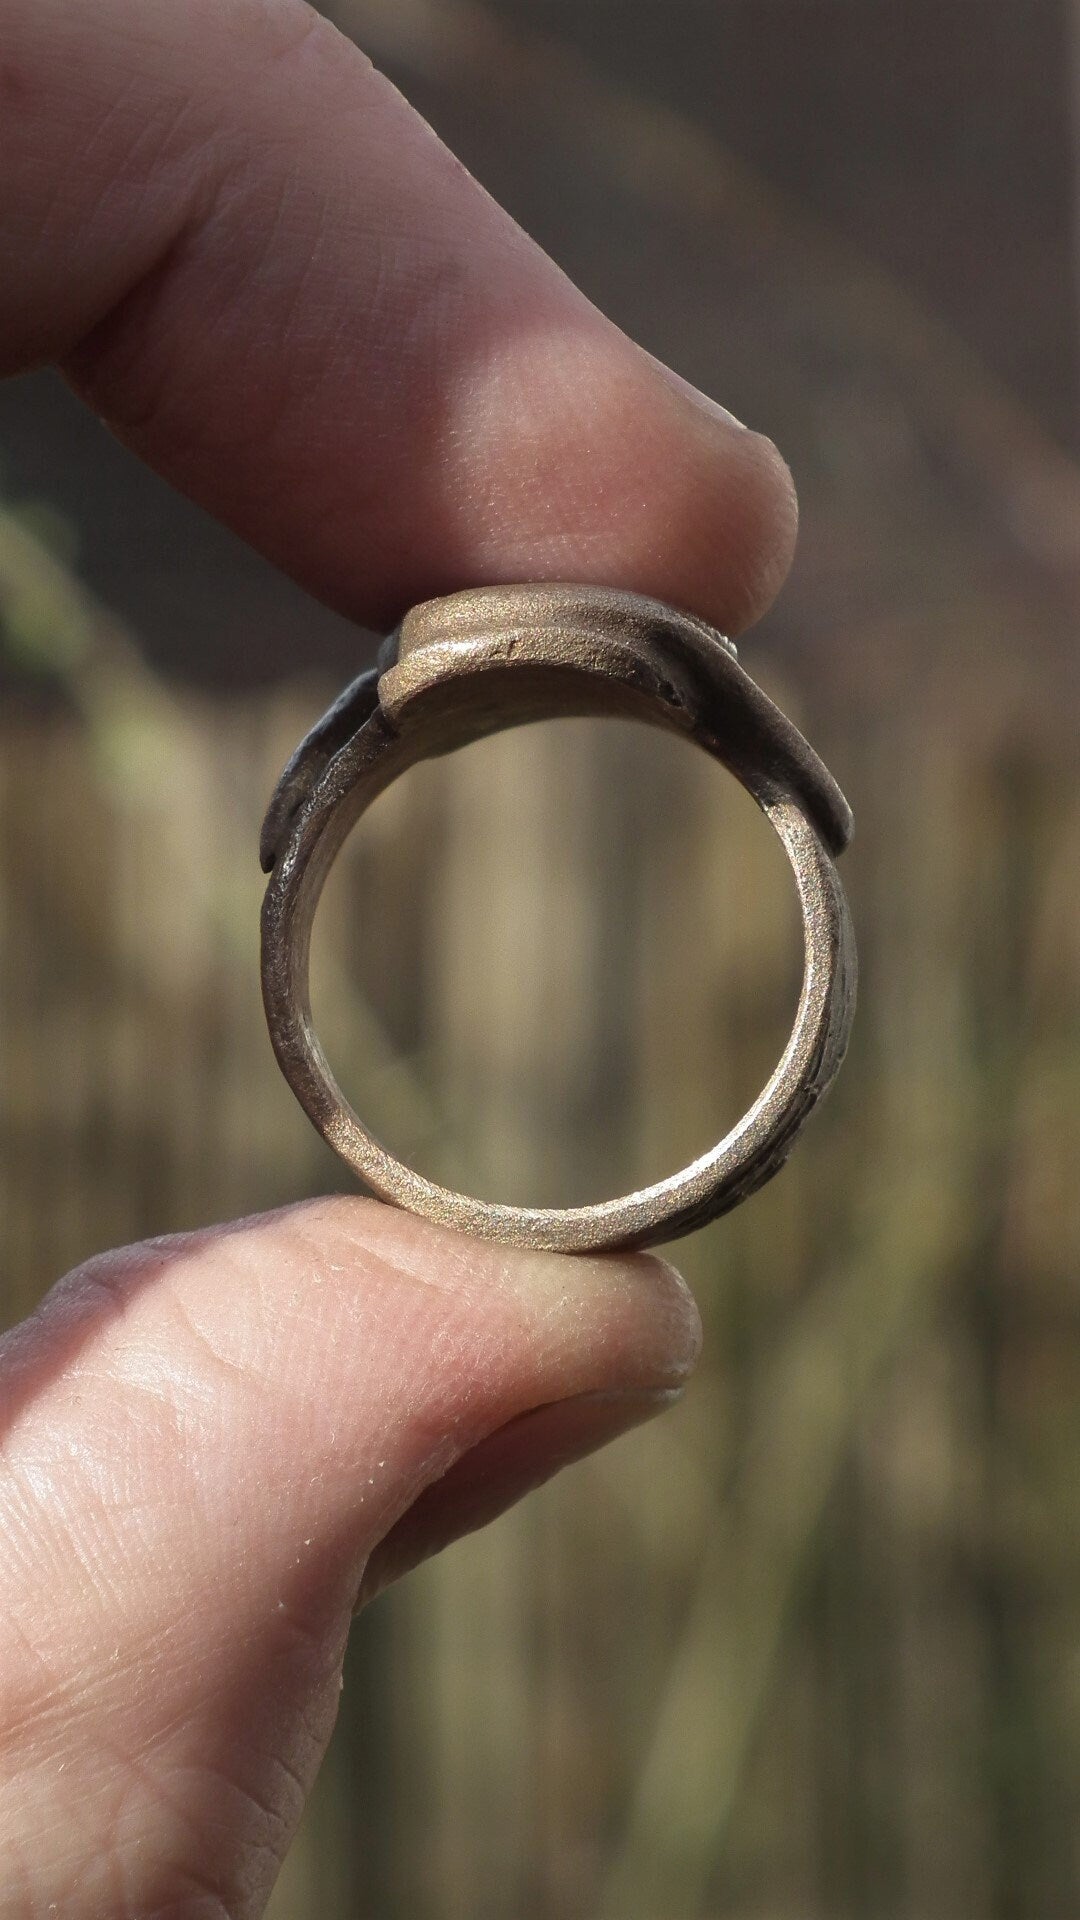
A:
(249, 255)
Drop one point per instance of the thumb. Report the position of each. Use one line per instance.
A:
(209, 1444)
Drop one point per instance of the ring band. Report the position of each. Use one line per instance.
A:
(476, 663)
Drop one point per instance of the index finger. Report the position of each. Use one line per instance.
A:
(261, 267)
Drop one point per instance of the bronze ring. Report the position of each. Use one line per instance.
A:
(496, 657)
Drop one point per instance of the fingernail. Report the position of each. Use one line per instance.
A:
(500, 1470)
(555, 1435)
(704, 401)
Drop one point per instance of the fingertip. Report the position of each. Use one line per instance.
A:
(608, 1321)
(759, 508)
(772, 507)
(736, 505)
(574, 455)
(297, 306)
(674, 1316)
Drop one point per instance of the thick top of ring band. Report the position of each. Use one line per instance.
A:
(611, 642)
(496, 657)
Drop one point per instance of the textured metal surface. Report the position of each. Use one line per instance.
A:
(497, 657)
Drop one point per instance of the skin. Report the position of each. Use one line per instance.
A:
(249, 255)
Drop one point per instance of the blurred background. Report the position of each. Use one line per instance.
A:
(810, 1647)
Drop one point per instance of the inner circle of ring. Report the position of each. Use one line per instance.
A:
(741, 1161)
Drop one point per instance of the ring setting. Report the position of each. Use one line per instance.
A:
(476, 663)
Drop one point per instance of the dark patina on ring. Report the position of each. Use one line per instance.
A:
(477, 663)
